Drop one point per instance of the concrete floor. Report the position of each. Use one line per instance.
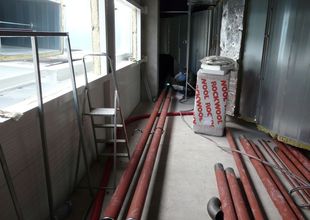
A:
(184, 180)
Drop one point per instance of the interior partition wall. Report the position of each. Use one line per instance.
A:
(283, 101)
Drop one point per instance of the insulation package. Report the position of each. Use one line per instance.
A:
(212, 91)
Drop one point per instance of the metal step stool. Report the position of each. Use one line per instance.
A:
(111, 113)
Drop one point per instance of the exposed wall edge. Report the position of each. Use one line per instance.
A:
(284, 139)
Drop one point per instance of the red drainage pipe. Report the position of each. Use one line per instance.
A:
(294, 160)
(245, 179)
(138, 200)
(239, 203)
(145, 116)
(275, 195)
(292, 183)
(291, 166)
(303, 159)
(288, 163)
(96, 210)
(278, 183)
(224, 193)
(117, 200)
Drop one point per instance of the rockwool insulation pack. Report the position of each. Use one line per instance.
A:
(211, 95)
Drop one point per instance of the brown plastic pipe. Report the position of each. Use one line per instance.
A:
(113, 208)
(294, 160)
(245, 179)
(288, 163)
(303, 159)
(291, 167)
(278, 183)
(224, 193)
(138, 200)
(276, 196)
(239, 203)
(293, 182)
(97, 206)
(145, 116)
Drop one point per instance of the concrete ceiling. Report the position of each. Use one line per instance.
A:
(173, 5)
(181, 5)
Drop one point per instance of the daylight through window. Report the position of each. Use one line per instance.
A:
(127, 33)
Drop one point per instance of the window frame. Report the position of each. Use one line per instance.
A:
(134, 56)
(24, 104)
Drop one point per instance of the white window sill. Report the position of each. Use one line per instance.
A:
(22, 97)
(123, 64)
(66, 92)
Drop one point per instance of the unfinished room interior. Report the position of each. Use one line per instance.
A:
(154, 109)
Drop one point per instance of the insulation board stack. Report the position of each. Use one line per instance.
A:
(212, 95)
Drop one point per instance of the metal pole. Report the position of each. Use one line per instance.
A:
(78, 114)
(28, 33)
(9, 182)
(210, 20)
(115, 139)
(90, 106)
(35, 53)
(188, 45)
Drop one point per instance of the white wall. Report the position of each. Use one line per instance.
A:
(129, 82)
(22, 146)
(150, 44)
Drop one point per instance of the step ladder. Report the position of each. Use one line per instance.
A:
(112, 114)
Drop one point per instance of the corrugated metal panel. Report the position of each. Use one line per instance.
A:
(203, 2)
(200, 38)
(183, 41)
(216, 29)
(253, 54)
(173, 39)
(164, 36)
(285, 87)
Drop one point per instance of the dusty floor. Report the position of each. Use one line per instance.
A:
(184, 179)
